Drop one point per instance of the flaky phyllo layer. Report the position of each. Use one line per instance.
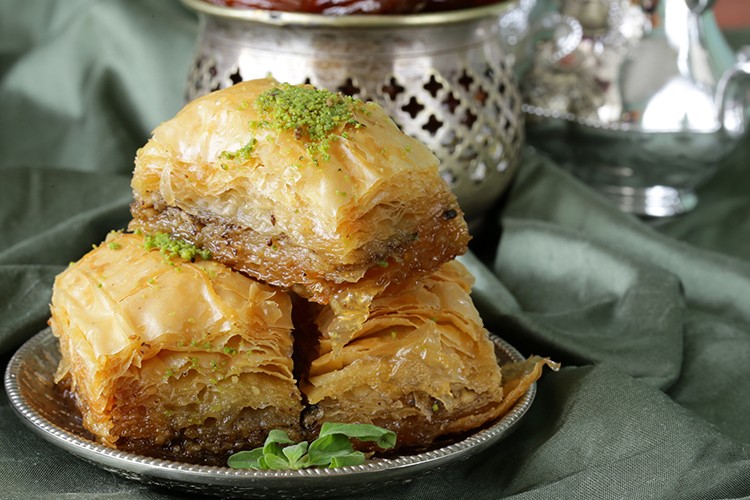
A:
(422, 364)
(300, 188)
(187, 359)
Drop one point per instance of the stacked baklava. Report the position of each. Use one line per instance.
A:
(290, 262)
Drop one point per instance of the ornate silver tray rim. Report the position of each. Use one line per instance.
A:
(357, 20)
(214, 479)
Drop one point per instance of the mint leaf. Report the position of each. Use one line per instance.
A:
(246, 459)
(323, 449)
(383, 438)
(273, 443)
(296, 455)
(333, 448)
(354, 458)
(276, 462)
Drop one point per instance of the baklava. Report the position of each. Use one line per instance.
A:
(174, 358)
(301, 188)
(422, 365)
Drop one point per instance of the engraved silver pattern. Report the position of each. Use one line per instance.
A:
(641, 99)
(443, 78)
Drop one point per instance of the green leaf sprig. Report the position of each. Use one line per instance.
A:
(332, 448)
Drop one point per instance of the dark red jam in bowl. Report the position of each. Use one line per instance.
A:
(349, 7)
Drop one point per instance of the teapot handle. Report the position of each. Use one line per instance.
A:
(565, 31)
(520, 38)
(730, 96)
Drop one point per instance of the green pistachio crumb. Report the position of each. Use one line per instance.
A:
(229, 350)
(313, 115)
(243, 154)
(174, 247)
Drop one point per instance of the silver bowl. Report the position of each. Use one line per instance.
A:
(443, 77)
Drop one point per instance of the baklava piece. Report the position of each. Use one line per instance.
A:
(301, 188)
(422, 365)
(173, 356)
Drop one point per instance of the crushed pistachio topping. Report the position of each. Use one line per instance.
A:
(174, 247)
(315, 115)
(243, 154)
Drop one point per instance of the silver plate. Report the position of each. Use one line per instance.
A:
(32, 393)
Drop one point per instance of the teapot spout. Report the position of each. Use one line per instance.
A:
(700, 6)
(731, 93)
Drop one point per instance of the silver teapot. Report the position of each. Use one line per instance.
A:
(642, 99)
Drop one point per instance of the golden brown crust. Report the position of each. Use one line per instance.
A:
(172, 358)
(321, 225)
(422, 365)
(309, 273)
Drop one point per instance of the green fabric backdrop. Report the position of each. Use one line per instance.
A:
(651, 320)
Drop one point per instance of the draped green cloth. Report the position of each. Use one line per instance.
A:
(651, 320)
